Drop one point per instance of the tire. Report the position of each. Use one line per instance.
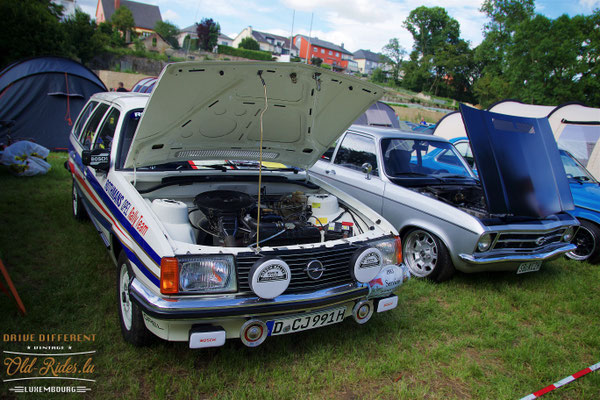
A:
(133, 329)
(587, 240)
(426, 256)
(79, 212)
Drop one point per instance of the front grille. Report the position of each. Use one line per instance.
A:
(336, 261)
(527, 241)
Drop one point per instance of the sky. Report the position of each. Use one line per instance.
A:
(358, 24)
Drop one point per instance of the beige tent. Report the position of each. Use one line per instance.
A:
(576, 127)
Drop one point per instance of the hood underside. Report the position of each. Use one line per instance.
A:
(212, 111)
(518, 163)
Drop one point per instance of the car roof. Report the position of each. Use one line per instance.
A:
(126, 100)
(382, 133)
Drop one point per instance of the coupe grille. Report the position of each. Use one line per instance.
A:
(527, 241)
(336, 261)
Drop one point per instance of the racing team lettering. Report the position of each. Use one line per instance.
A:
(134, 217)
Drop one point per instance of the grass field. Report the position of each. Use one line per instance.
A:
(484, 336)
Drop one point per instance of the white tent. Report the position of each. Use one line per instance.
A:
(576, 127)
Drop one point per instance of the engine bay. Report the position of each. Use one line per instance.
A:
(469, 199)
(233, 218)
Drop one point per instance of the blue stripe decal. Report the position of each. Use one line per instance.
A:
(133, 258)
(120, 217)
(96, 214)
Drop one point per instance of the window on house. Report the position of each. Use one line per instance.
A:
(337, 54)
(322, 51)
(330, 52)
(153, 42)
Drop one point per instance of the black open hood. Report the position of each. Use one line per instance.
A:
(518, 163)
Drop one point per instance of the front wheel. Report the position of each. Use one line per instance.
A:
(587, 240)
(132, 322)
(426, 256)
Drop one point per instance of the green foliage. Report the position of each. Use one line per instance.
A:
(251, 54)
(30, 28)
(190, 44)
(122, 20)
(326, 66)
(378, 76)
(208, 34)
(249, 44)
(84, 38)
(393, 55)
(431, 28)
(316, 61)
(167, 31)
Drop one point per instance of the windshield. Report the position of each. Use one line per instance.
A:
(574, 169)
(409, 157)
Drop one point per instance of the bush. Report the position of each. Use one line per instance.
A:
(251, 54)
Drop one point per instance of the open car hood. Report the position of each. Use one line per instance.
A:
(211, 111)
(519, 164)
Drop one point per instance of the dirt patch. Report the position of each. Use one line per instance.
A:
(417, 114)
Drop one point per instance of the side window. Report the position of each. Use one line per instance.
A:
(106, 133)
(329, 152)
(92, 124)
(356, 150)
(465, 150)
(83, 116)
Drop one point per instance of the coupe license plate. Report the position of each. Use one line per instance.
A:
(304, 322)
(529, 267)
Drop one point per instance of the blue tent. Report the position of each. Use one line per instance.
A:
(43, 96)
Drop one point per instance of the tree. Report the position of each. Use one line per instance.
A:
(84, 38)
(123, 21)
(167, 31)
(378, 76)
(431, 28)
(249, 44)
(20, 40)
(393, 55)
(316, 61)
(208, 34)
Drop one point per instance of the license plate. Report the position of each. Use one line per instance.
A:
(304, 322)
(529, 267)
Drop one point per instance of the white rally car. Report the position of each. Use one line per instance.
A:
(209, 242)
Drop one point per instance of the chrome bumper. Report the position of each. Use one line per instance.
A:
(226, 305)
(513, 257)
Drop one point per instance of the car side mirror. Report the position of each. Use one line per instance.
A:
(367, 168)
(98, 159)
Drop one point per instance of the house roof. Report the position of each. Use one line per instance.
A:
(367, 55)
(325, 44)
(144, 15)
(223, 36)
(263, 36)
(189, 29)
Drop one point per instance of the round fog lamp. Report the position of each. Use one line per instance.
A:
(484, 242)
(568, 235)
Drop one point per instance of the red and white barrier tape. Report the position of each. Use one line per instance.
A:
(562, 382)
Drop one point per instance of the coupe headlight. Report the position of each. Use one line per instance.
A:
(568, 235)
(391, 250)
(484, 242)
(207, 274)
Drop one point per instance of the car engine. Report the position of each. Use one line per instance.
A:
(231, 218)
(469, 199)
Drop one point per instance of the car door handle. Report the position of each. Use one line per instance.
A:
(330, 171)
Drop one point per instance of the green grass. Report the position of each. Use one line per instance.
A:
(482, 336)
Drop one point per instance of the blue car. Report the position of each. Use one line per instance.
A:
(586, 195)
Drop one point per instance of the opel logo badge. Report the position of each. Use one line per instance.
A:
(540, 241)
(315, 269)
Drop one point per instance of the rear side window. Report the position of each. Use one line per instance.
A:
(105, 136)
(91, 126)
(356, 150)
(83, 116)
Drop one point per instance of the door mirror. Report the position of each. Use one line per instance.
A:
(98, 159)
(367, 168)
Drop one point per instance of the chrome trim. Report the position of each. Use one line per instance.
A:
(491, 259)
(239, 305)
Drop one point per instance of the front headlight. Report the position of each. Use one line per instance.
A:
(391, 250)
(568, 235)
(484, 242)
(207, 274)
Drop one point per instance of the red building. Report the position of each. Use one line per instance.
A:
(330, 53)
